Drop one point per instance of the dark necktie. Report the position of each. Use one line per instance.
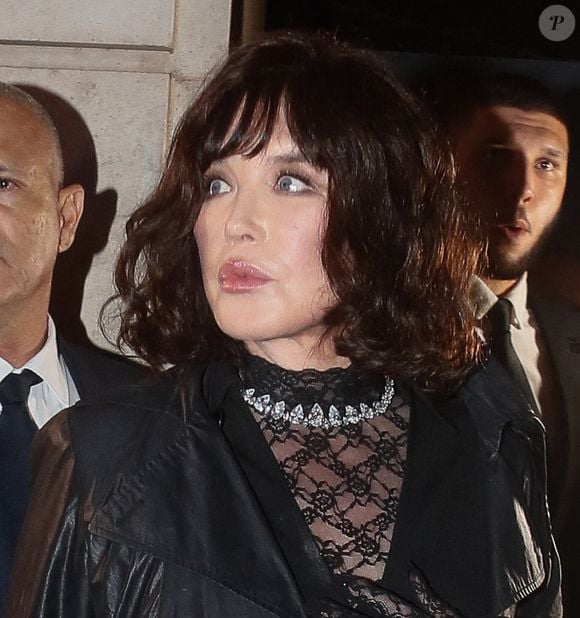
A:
(16, 432)
(499, 317)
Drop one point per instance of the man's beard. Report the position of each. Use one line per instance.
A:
(504, 268)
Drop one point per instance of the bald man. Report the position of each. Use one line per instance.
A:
(38, 220)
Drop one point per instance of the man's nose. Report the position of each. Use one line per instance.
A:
(515, 184)
(527, 187)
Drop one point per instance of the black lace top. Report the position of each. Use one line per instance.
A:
(346, 479)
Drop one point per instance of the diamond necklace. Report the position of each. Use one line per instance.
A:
(316, 416)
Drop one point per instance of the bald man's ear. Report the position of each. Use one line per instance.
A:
(71, 200)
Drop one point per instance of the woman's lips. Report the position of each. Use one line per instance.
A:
(238, 277)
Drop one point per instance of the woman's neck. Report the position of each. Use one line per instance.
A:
(296, 355)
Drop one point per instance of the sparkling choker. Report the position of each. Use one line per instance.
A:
(316, 416)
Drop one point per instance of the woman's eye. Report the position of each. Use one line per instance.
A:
(217, 186)
(291, 184)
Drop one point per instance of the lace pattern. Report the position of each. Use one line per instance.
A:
(366, 599)
(346, 480)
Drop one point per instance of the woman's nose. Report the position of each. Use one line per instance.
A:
(246, 221)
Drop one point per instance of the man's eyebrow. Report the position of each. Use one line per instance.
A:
(7, 169)
(558, 154)
(498, 144)
(551, 152)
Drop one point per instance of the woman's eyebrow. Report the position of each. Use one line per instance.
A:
(287, 158)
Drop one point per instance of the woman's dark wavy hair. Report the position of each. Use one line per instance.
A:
(396, 251)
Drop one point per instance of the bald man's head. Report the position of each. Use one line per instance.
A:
(42, 125)
(38, 220)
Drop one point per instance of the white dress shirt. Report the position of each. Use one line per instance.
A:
(57, 389)
(526, 338)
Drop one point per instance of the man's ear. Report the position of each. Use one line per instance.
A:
(71, 200)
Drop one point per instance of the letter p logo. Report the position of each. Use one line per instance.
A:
(557, 22)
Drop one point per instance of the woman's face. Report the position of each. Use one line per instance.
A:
(259, 237)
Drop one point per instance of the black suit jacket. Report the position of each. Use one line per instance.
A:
(560, 328)
(95, 371)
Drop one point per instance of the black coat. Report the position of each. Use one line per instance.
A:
(560, 328)
(153, 505)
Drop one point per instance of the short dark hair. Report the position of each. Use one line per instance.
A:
(396, 252)
(482, 89)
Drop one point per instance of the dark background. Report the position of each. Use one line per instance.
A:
(508, 28)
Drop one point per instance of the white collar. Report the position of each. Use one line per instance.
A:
(46, 364)
(484, 299)
(518, 296)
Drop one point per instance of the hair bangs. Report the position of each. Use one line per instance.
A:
(304, 128)
(241, 123)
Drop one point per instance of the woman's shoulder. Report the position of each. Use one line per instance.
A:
(153, 406)
(492, 387)
(486, 402)
(124, 429)
(174, 393)
(493, 402)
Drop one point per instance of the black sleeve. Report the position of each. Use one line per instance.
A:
(50, 576)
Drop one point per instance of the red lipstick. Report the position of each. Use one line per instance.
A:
(237, 277)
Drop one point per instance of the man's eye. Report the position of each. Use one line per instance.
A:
(291, 184)
(6, 184)
(546, 165)
(217, 186)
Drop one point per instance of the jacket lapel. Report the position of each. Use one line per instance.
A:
(283, 514)
(293, 538)
(193, 506)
